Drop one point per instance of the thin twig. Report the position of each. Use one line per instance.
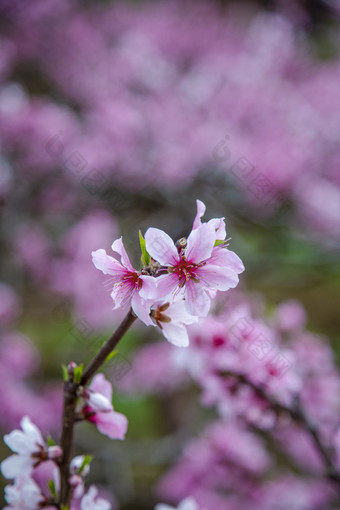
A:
(297, 414)
(70, 402)
(107, 348)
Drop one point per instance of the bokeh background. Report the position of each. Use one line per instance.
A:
(117, 116)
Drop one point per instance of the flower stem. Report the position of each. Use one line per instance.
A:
(70, 401)
(108, 347)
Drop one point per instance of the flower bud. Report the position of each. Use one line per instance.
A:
(75, 480)
(98, 402)
(54, 452)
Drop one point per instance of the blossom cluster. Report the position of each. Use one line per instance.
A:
(177, 282)
(34, 466)
(255, 373)
(121, 74)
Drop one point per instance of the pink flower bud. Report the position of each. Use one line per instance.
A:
(98, 402)
(54, 452)
(75, 480)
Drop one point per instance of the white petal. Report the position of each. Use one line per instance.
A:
(175, 333)
(32, 432)
(178, 313)
(141, 308)
(16, 465)
(99, 403)
(18, 443)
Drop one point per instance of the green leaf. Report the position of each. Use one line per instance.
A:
(64, 507)
(78, 372)
(52, 488)
(50, 441)
(145, 258)
(65, 372)
(86, 461)
(111, 355)
(218, 242)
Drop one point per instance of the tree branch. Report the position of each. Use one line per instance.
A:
(112, 342)
(297, 414)
(70, 402)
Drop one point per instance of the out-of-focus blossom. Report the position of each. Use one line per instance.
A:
(23, 495)
(154, 371)
(91, 501)
(9, 304)
(186, 504)
(30, 449)
(99, 410)
(67, 272)
(76, 479)
(19, 360)
(290, 316)
(247, 367)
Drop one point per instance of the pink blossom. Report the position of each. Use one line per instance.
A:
(198, 268)
(290, 316)
(43, 474)
(91, 501)
(170, 318)
(76, 477)
(129, 285)
(186, 504)
(99, 410)
(9, 304)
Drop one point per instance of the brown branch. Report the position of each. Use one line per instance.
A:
(66, 441)
(70, 401)
(297, 414)
(112, 342)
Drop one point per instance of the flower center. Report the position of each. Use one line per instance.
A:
(158, 316)
(185, 271)
(134, 280)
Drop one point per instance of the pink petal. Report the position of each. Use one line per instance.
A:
(113, 424)
(161, 247)
(225, 258)
(220, 278)
(220, 228)
(105, 263)
(122, 294)
(200, 212)
(176, 334)
(118, 247)
(166, 284)
(200, 243)
(101, 385)
(141, 308)
(149, 287)
(197, 301)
